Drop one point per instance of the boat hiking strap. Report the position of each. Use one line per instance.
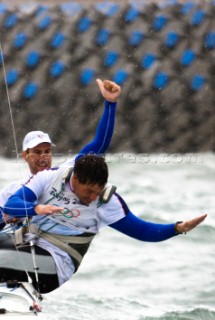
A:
(66, 243)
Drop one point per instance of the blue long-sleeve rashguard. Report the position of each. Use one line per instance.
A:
(104, 132)
(130, 225)
(140, 229)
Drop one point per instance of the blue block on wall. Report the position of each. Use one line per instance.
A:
(84, 24)
(20, 40)
(209, 40)
(159, 22)
(71, 8)
(131, 15)
(11, 77)
(136, 38)
(171, 39)
(57, 40)
(87, 76)
(103, 37)
(197, 82)
(187, 7)
(109, 9)
(10, 21)
(111, 58)
(32, 59)
(57, 69)
(148, 60)
(120, 76)
(30, 90)
(161, 80)
(3, 8)
(198, 17)
(41, 9)
(44, 23)
(187, 57)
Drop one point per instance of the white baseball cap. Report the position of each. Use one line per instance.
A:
(33, 138)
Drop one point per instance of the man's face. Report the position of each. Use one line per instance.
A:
(86, 192)
(38, 158)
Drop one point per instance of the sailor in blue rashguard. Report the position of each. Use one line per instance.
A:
(70, 205)
(37, 145)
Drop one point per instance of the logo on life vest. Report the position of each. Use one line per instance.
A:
(74, 213)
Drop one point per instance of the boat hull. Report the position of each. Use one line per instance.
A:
(15, 264)
(18, 301)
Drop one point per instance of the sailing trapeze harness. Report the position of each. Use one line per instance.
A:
(76, 245)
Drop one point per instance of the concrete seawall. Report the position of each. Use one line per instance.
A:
(162, 54)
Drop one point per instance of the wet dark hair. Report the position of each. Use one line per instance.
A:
(91, 169)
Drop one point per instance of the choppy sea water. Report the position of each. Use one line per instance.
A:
(121, 278)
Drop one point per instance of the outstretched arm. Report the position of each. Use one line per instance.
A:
(139, 229)
(111, 92)
(152, 232)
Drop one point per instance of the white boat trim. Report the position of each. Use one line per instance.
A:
(18, 300)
